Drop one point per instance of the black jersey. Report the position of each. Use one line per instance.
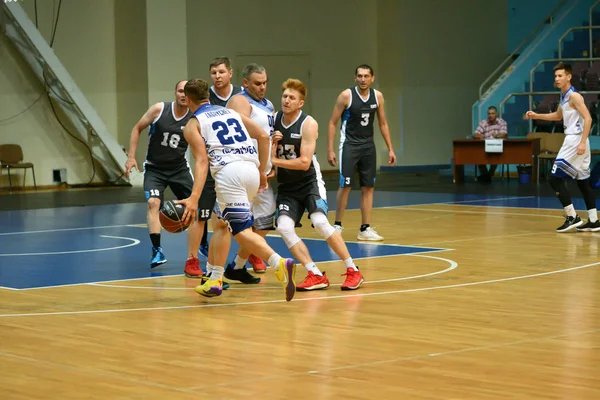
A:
(357, 119)
(217, 100)
(289, 148)
(166, 145)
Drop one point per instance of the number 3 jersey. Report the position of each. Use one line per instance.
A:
(166, 144)
(225, 136)
(289, 148)
(358, 117)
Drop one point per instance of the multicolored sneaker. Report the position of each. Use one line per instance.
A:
(353, 279)
(192, 268)
(158, 257)
(210, 288)
(313, 282)
(205, 278)
(285, 273)
(258, 265)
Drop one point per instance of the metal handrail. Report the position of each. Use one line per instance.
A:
(532, 71)
(520, 46)
(590, 24)
(576, 28)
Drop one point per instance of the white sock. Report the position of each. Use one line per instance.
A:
(217, 273)
(570, 210)
(350, 263)
(593, 215)
(209, 268)
(312, 267)
(240, 262)
(274, 261)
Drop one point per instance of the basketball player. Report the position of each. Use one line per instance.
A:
(252, 103)
(573, 159)
(301, 187)
(357, 107)
(224, 137)
(166, 165)
(220, 93)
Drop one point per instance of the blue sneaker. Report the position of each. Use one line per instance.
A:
(158, 257)
(204, 249)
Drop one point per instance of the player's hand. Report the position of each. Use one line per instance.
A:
(581, 148)
(331, 158)
(530, 115)
(478, 136)
(271, 174)
(129, 165)
(392, 157)
(277, 136)
(191, 209)
(264, 185)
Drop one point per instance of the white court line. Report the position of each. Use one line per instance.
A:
(452, 266)
(72, 229)
(246, 303)
(408, 208)
(494, 199)
(133, 243)
(492, 237)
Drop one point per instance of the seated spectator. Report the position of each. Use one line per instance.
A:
(490, 128)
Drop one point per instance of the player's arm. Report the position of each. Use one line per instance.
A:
(340, 105)
(150, 115)
(264, 144)
(384, 128)
(240, 104)
(576, 101)
(479, 131)
(192, 135)
(554, 116)
(273, 171)
(310, 132)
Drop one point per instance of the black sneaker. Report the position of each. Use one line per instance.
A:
(241, 275)
(590, 227)
(204, 278)
(570, 223)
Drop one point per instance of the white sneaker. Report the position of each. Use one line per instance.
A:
(338, 228)
(369, 234)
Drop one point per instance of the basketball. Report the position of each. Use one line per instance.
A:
(170, 217)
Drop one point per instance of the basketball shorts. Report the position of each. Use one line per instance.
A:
(236, 185)
(181, 182)
(294, 200)
(358, 157)
(569, 164)
(263, 209)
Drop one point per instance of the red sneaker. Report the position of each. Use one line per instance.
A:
(353, 279)
(192, 268)
(313, 282)
(258, 265)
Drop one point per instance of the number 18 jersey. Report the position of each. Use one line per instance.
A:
(358, 117)
(225, 136)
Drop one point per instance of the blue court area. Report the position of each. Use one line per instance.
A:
(73, 245)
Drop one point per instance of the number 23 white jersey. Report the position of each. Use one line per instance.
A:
(225, 136)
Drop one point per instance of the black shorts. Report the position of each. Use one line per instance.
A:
(294, 201)
(181, 183)
(361, 157)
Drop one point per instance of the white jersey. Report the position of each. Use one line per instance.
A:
(263, 114)
(225, 136)
(572, 119)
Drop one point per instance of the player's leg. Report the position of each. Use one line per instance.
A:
(263, 210)
(289, 213)
(204, 242)
(585, 186)
(237, 183)
(348, 160)
(181, 183)
(317, 208)
(155, 184)
(562, 170)
(367, 169)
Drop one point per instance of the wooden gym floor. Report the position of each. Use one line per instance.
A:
(469, 297)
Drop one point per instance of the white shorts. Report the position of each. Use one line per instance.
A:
(236, 185)
(569, 164)
(263, 209)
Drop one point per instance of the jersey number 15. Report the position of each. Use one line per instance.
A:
(224, 133)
